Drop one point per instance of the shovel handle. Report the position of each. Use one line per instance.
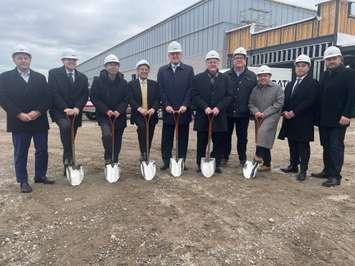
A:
(146, 122)
(258, 122)
(176, 115)
(112, 120)
(72, 119)
(210, 121)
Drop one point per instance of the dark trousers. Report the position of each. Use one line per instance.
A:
(106, 138)
(141, 131)
(167, 141)
(218, 146)
(265, 154)
(332, 140)
(241, 128)
(65, 137)
(300, 152)
(22, 142)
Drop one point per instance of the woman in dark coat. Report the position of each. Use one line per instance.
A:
(110, 95)
(299, 116)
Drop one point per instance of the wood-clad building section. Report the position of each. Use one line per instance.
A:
(322, 25)
(346, 21)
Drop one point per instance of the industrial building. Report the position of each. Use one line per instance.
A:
(333, 24)
(199, 28)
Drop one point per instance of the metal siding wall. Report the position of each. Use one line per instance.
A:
(223, 14)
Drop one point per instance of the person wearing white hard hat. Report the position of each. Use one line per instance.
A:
(243, 81)
(25, 97)
(70, 90)
(298, 113)
(265, 103)
(337, 101)
(174, 81)
(144, 101)
(110, 96)
(211, 97)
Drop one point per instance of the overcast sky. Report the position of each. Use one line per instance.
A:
(87, 26)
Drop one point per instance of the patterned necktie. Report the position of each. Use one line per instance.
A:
(71, 78)
(298, 81)
(144, 90)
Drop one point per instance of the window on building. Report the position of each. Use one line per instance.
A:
(351, 9)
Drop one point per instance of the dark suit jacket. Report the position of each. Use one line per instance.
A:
(17, 96)
(66, 95)
(175, 89)
(136, 100)
(111, 95)
(204, 95)
(303, 103)
(337, 96)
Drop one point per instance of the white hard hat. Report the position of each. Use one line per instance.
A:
(21, 49)
(332, 51)
(264, 69)
(174, 47)
(111, 58)
(240, 50)
(69, 54)
(303, 58)
(212, 55)
(142, 62)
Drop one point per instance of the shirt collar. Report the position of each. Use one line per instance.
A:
(141, 80)
(67, 71)
(176, 66)
(27, 73)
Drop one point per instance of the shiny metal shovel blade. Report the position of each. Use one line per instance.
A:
(250, 169)
(75, 175)
(148, 170)
(176, 167)
(208, 166)
(112, 172)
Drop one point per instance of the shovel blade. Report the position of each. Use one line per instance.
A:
(112, 172)
(75, 175)
(176, 167)
(250, 169)
(148, 170)
(208, 167)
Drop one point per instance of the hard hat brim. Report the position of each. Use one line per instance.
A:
(21, 52)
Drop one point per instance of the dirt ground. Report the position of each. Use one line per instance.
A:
(191, 220)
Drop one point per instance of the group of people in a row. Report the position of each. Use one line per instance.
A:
(231, 98)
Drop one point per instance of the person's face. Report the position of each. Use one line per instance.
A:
(239, 61)
(112, 68)
(22, 61)
(264, 79)
(175, 58)
(301, 69)
(212, 65)
(69, 64)
(143, 71)
(333, 62)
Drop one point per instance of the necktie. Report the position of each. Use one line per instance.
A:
(144, 90)
(298, 81)
(71, 78)
(174, 68)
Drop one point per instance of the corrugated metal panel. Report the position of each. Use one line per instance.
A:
(199, 28)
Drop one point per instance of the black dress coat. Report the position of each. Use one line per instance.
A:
(175, 89)
(17, 96)
(204, 95)
(66, 95)
(337, 96)
(303, 103)
(136, 100)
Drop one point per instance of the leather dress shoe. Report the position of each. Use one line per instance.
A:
(290, 169)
